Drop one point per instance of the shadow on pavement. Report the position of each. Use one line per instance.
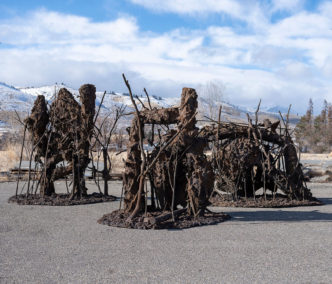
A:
(326, 200)
(281, 216)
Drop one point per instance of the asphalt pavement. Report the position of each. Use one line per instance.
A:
(40, 244)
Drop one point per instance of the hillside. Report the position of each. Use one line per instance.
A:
(14, 99)
(21, 99)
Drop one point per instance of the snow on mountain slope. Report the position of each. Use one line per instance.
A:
(111, 98)
(4, 127)
(12, 99)
(21, 99)
(47, 91)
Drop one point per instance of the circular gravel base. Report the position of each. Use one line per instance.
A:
(280, 201)
(59, 199)
(118, 218)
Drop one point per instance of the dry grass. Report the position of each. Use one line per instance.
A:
(9, 156)
(310, 156)
(118, 161)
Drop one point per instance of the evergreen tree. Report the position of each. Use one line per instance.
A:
(315, 133)
(324, 127)
(329, 125)
(300, 133)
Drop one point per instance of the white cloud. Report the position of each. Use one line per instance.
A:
(193, 6)
(286, 5)
(327, 68)
(248, 11)
(303, 24)
(278, 62)
(296, 71)
(47, 27)
(325, 8)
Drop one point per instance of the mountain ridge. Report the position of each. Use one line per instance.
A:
(21, 99)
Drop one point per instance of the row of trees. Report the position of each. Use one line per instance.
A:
(314, 133)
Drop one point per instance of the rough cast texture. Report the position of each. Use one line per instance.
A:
(63, 134)
(183, 160)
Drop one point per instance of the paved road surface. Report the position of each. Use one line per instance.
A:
(40, 244)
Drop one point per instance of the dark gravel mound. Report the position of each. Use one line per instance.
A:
(59, 199)
(279, 201)
(118, 218)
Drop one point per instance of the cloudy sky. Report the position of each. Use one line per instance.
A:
(276, 50)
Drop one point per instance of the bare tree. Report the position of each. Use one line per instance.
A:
(213, 93)
(105, 129)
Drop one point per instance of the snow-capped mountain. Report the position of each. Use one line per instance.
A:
(21, 100)
(277, 108)
(111, 98)
(12, 99)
